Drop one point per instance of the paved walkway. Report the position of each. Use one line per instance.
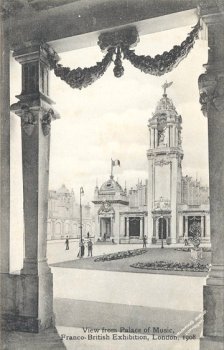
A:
(163, 291)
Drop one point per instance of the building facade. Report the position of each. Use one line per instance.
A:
(167, 205)
(64, 215)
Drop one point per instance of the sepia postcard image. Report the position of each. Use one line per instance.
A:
(112, 174)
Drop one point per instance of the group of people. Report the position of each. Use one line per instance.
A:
(81, 252)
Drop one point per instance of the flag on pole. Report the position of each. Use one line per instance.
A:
(115, 162)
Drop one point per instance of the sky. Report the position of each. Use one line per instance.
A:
(109, 118)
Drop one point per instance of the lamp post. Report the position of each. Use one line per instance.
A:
(80, 207)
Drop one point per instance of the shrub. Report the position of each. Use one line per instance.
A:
(171, 266)
(120, 255)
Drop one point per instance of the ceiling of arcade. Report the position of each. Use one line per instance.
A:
(59, 22)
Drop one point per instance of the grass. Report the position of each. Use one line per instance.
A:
(150, 256)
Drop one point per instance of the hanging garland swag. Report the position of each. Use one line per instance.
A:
(118, 44)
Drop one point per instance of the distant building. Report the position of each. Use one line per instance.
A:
(64, 215)
(167, 204)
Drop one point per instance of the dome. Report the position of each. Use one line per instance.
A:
(111, 186)
(165, 104)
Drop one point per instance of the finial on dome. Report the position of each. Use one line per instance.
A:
(165, 87)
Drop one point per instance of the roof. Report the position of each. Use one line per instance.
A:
(165, 104)
(111, 186)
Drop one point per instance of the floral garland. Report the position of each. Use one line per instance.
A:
(118, 43)
(80, 78)
(166, 62)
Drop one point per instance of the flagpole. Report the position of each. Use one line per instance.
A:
(111, 173)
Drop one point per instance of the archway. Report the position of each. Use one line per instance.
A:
(211, 99)
(162, 228)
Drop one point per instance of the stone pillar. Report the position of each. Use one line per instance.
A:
(154, 227)
(156, 138)
(111, 228)
(202, 226)
(35, 109)
(4, 150)
(174, 179)
(167, 225)
(186, 226)
(128, 227)
(53, 228)
(141, 227)
(180, 226)
(207, 225)
(211, 86)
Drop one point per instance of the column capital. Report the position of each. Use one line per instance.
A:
(211, 89)
(211, 83)
(35, 105)
(37, 51)
(36, 60)
(211, 10)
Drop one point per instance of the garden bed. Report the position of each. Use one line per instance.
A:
(188, 249)
(120, 255)
(171, 266)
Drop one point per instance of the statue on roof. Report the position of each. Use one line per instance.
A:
(165, 86)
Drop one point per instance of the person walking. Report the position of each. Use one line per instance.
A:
(67, 243)
(144, 241)
(81, 249)
(90, 248)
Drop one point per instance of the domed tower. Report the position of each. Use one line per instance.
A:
(165, 156)
(110, 200)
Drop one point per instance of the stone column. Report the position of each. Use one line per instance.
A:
(128, 227)
(186, 226)
(202, 226)
(111, 228)
(141, 227)
(156, 138)
(207, 225)
(4, 150)
(180, 226)
(211, 86)
(36, 112)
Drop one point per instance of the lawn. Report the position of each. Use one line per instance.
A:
(150, 255)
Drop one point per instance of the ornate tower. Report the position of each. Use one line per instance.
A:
(165, 155)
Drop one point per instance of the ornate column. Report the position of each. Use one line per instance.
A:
(36, 112)
(211, 86)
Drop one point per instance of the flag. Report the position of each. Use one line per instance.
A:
(115, 162)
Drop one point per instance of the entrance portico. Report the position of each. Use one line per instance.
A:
(211, 89)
